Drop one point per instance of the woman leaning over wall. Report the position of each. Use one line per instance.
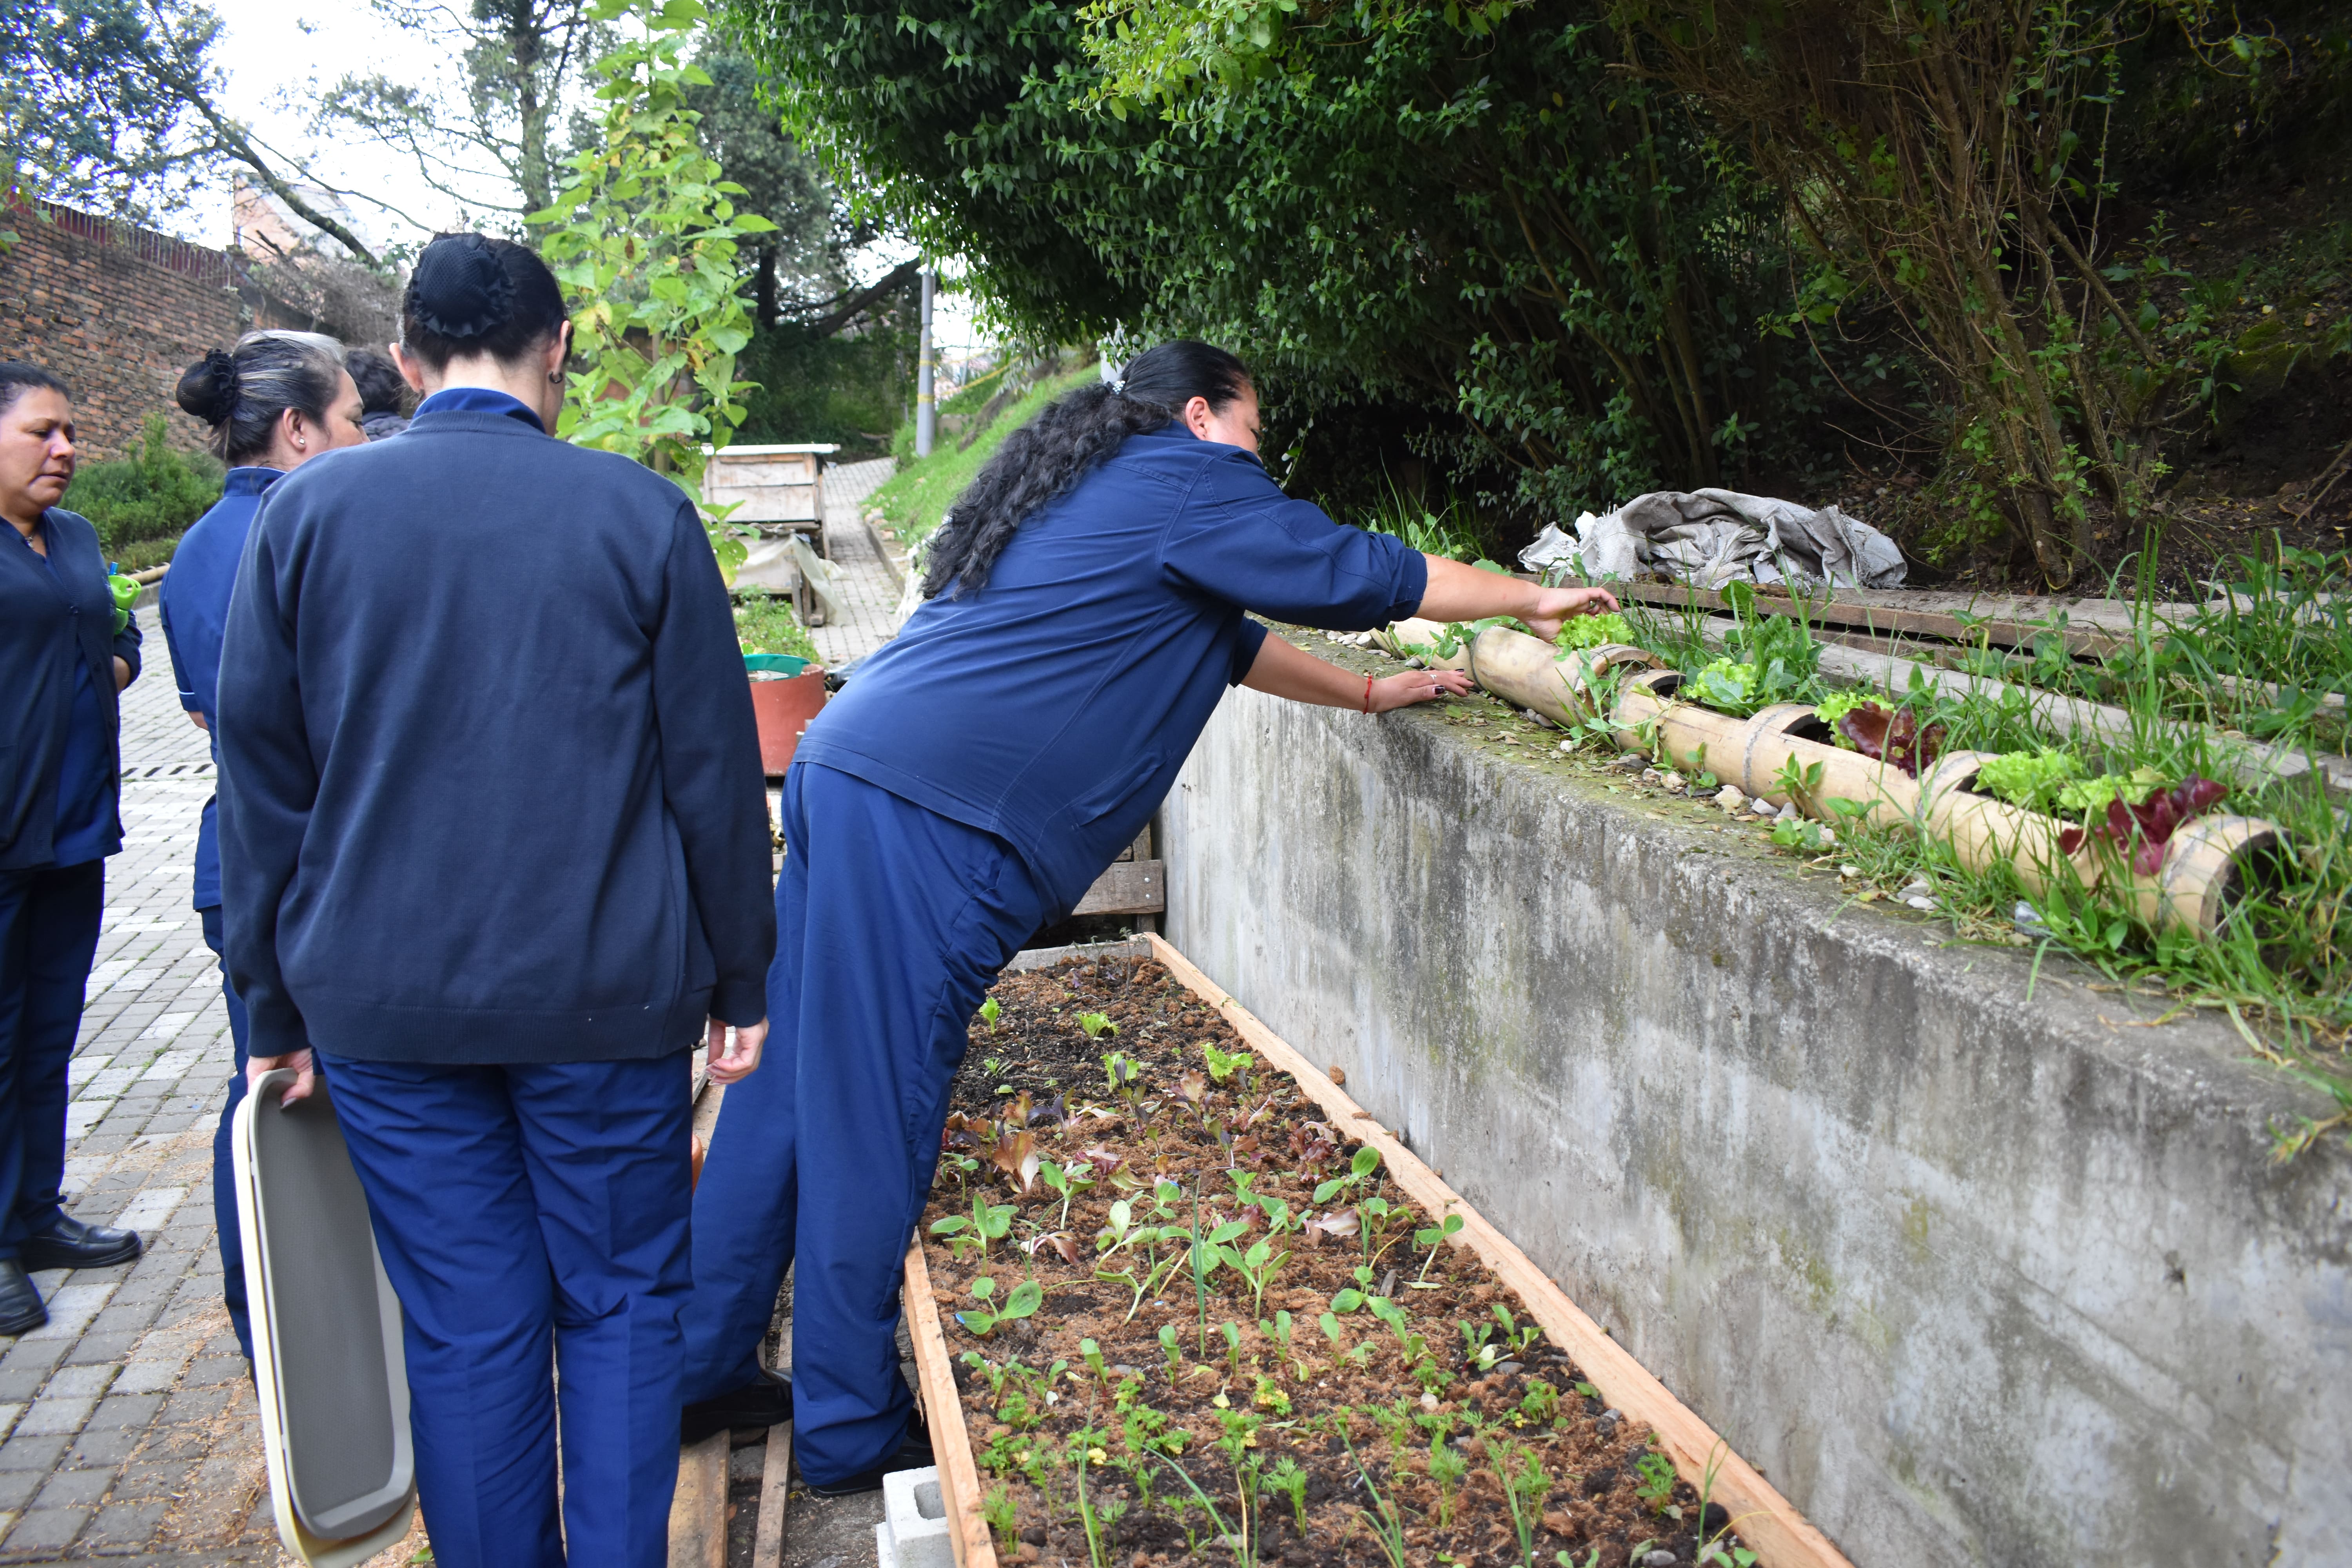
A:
(63, 665)
(1084, 615)
(274, 402)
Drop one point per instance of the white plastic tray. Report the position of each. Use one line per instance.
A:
(327, 1352)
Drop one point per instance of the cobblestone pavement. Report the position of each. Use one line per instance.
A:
(130, 1425)
(865, 587)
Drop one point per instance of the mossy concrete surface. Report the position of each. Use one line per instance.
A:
(1973, 1279)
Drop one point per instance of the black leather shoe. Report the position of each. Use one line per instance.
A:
(913, 1452)
(751, 1407)
(20, 1304)
(68, 1243)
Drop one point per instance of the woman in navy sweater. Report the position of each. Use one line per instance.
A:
(277, 401)
(62, 666)
(494, 857)
(1084, 617)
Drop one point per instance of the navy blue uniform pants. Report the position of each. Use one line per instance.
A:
(232, 1240)
(891, 922)
(48, 933)
(518, 1209)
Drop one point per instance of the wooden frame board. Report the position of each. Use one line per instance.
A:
(1780, 1535)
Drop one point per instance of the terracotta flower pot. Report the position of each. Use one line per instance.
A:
(786, 693)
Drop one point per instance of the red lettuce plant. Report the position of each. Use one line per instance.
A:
(1895, 738)
(2150, 824)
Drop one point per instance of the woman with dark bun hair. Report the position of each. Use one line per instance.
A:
(63, 661)
(273, 403)
(1084, 616)
(494, 855)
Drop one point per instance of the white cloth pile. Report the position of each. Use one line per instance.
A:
(1707, 537)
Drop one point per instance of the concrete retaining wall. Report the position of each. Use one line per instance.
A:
(1973, 1279)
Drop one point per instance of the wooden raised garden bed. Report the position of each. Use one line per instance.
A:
(1363, 1371)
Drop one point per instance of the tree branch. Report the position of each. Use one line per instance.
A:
(852, 305)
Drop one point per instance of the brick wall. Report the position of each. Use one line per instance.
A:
(119, 313)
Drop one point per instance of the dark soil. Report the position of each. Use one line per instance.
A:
(1247, 1409)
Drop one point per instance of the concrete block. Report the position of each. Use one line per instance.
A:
(913, 1531)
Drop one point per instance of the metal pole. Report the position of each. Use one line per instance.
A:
(927, 413)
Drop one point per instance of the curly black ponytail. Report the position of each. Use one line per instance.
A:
(1044, 459)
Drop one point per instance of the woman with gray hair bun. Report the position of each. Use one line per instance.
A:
(276, 401)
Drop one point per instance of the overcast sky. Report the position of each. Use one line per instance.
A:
(281, 54)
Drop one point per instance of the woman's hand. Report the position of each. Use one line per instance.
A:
(1282, 670)
(1555, 606)
(732, 1061)
(306, 1074)
(1418, 685)
(1459, 593)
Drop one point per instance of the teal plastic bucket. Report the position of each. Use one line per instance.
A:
(779, 663)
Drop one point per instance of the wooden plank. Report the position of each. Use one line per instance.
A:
(775, 1491)
(935, 1391)
(1127, 888)
(1852, 608)
(697, 1510)
(1781, 1536)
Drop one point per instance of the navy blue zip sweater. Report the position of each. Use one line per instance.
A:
(51, 617)
(489, 782)
(1053, 706)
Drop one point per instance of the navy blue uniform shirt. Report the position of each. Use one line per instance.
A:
(1054, 707)
(60, 755)
(193, 604)
(489, 780)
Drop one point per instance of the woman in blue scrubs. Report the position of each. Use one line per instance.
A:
(63, 665)
(1083, 616)
(494, 859)
(275, 402)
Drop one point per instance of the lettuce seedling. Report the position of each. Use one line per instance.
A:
(1366, 1161)
(1096, 1025)
(989, 1222)
(1432, 1238)
(1223, 1064)
(1024, 1300)
(990, 1011)
(1258, 1266)
(1172, 1347)
(1068, 1181)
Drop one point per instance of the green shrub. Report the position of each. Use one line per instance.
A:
(142, 503)
(764, 624)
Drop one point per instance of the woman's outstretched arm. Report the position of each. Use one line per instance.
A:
(1459, 593)
(1282, 670)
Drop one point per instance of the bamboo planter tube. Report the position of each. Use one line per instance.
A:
(2209, 864)
(1530, 673)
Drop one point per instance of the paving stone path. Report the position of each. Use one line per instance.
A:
(866, 588)
(128, 1430)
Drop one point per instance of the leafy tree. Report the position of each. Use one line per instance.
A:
(1480, 213)
(83, 116)
(113, 104)
(645, 239)
(496, 144)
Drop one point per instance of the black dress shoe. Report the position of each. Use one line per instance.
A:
(20, 1305)
(68, 1243)
(751, 1407)
(913, 1452)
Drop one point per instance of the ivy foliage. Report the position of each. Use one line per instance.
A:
(1477, 211)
